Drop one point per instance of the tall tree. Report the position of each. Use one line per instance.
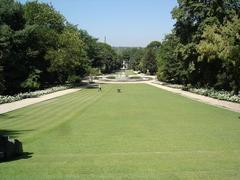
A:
(107, 58)
(192, 18)
(47, 26)
(11, 42)
(69, 58)
(223, 43)
(149, 60)
(169, 67)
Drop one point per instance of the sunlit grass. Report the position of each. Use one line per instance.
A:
(141, 133)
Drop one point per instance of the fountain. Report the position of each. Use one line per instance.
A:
(122, 75)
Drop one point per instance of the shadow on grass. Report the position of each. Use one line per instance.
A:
(25, 155)
(85, 85)
(9, 146)
(92, 87)
(6, 116)
(12, 133)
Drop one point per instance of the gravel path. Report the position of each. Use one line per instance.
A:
(215, 102)
(4, 108)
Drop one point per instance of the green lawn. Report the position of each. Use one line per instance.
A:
(141, 133)
(127, 72)
(130, 72)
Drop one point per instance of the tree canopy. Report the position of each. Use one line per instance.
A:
(39, 48)
(206, 45)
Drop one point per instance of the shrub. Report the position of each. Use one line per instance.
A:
(111, 77)
(73, 79)
(221, 95)
(135, 77)
(187, 87)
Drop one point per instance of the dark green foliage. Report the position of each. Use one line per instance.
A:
(2, 86)
(135, 58)
(12, 38)
(32, 82)
(39, 48)
(154, 45)
(130, 55)
(149, 61)
(168, 66)
(143, 59)
(205, 53)
(43, 15)
(222, 43)
(107, 58)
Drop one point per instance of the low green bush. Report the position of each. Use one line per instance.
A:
(111, 77)
(135, 77)
(74, 79)
(187, 87)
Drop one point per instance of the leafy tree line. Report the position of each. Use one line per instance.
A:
(203, 49)
(39, 48)
(141, 59)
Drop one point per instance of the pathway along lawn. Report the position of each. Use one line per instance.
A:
(142, 133)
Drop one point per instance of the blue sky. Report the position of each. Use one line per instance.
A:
(123, 22)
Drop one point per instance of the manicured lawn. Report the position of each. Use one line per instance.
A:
(130, 72)
(127, 72)
(141, 133)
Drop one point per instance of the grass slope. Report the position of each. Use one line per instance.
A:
(142, 133)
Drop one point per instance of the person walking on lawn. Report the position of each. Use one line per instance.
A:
(99, 88)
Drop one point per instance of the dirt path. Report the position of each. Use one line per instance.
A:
(4, 108)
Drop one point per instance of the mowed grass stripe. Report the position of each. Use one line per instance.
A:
(50, 116)
(57, 120)
(40, 107)
(46, 112)
(169, 153)
(33, 113)
(33, 109)
(47, 116)
(141, 133)
(71, 112)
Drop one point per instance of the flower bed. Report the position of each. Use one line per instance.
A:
(176, 86)
(20, 96)
(221, 95)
